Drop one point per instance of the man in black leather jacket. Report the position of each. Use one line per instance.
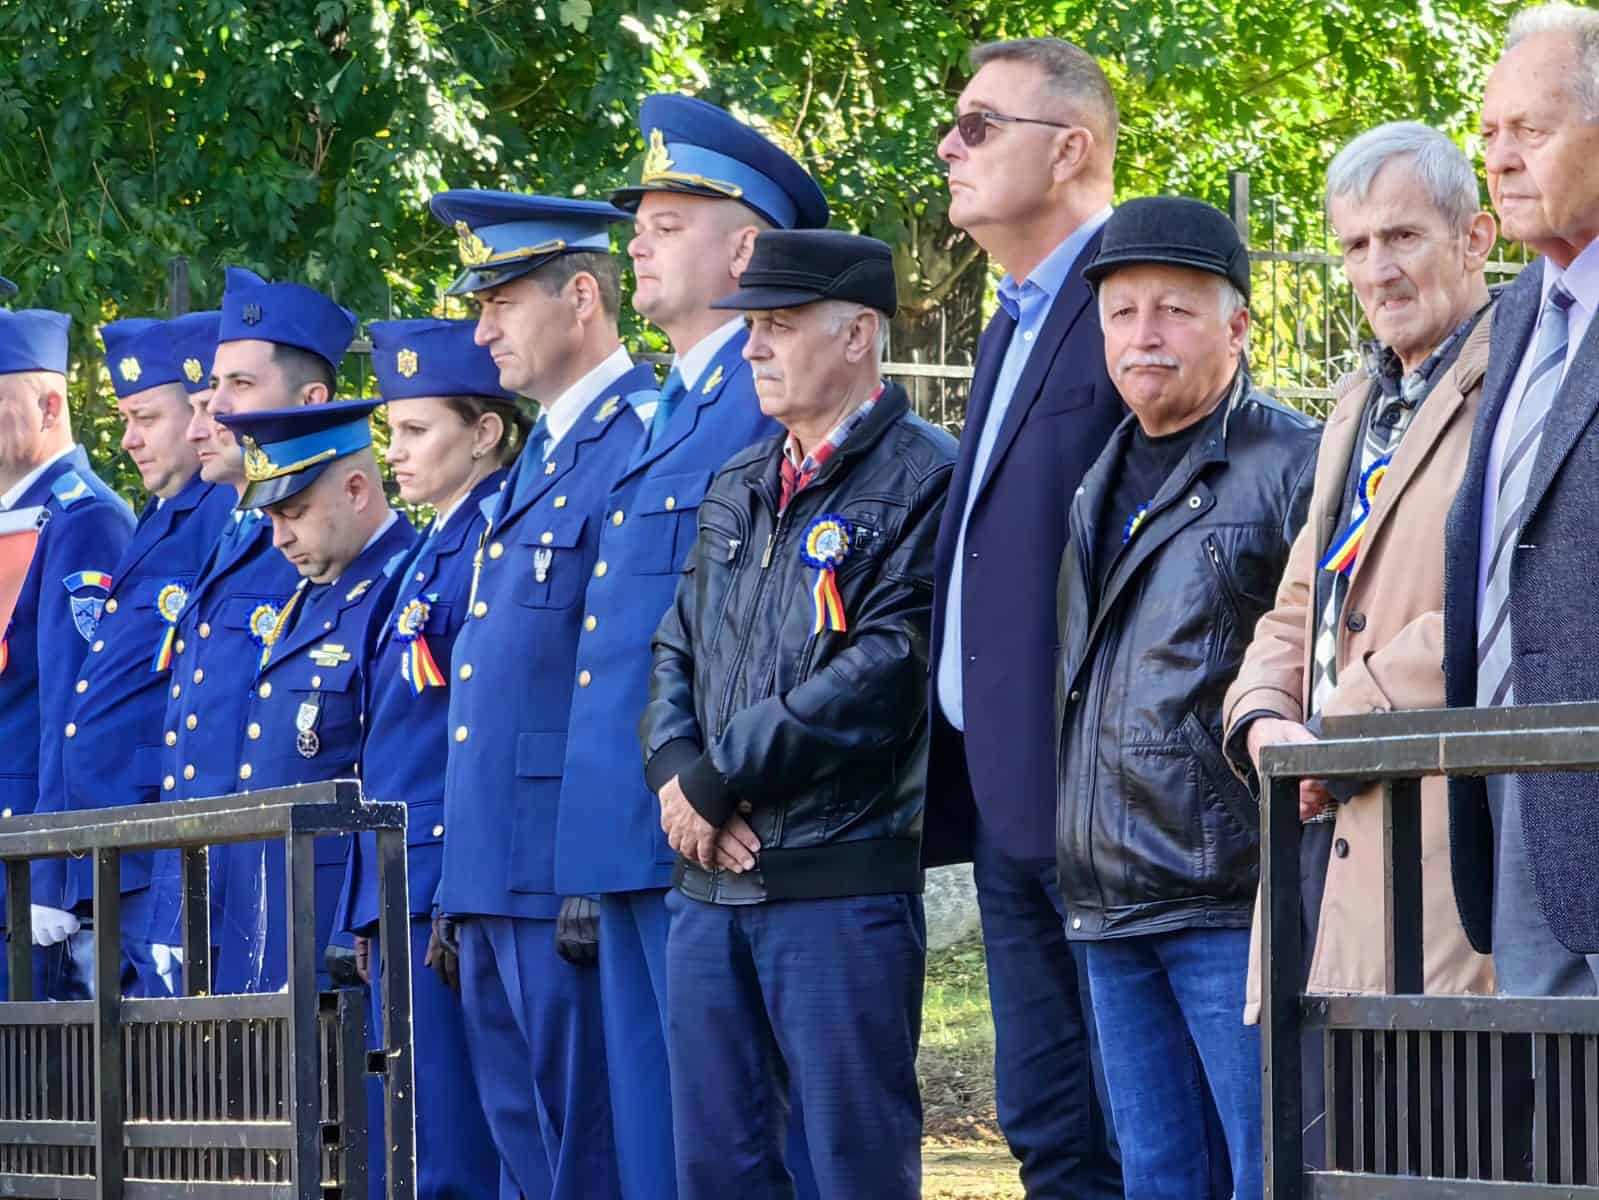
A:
(786, 736)
(1178, 536)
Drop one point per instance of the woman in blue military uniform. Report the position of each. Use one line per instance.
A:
(452, 432)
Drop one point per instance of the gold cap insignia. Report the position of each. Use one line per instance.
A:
(656, 161)
(474, 251)
(191, 368)
(130, 369)
(257, 465)
(407, 363)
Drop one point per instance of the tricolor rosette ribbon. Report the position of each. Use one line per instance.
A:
(1341, 558)
(417, 666)
(169, 602)
(825, 547)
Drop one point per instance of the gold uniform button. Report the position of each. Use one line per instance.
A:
(246, 771)
(546, 538)
(438, 831)
(97, 647)
(83, 686)
(199, 675)
(316, 681)
(191, 722)
(168, 783)
(460, 733)
(616, 517)
(72, 729)
(549, 468)
(496, 549)
(177, 646)
(264, 690)
(5, 812)
(590, 624)
(176, 691)
(188, 771)
(172, 737)
(671, 503)
(480, 609)
(584, 679)
(254, 731)
(111, 605)
(205, 629)
(600, 568)
(466, 671)
(560, 502)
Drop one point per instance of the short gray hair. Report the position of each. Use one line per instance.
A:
(1441, 167)
(1229, 300)
(1582, 24)
(1071, 72)
(845, 311)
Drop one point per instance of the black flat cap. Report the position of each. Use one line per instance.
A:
(1172, 231)
(793, 267)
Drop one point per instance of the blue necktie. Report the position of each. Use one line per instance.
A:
(541, 437)
(671, 396)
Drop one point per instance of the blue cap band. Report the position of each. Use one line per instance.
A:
(706, 168)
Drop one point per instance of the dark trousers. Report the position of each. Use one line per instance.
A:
(1050, 1088)
(818, 998)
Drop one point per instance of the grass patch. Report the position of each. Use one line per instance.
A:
(956, 1062)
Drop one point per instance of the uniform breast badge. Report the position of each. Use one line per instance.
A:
(542, 558)
(417, 665)
(169, 602)
(306, 740)
(825, 546)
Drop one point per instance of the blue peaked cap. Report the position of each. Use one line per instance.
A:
(138, 353)
(287, 449)
(432, 357)
(194, 345)
(695, 147)
(501, 236)
(289, 314)
(33, 339)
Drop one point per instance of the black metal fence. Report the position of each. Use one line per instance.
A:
(1425, 1096)
(201, 1095)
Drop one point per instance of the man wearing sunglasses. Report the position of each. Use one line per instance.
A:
(1030, 160)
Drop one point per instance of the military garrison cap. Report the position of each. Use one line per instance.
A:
(432, 357)
(33, 339)
(138, 353)
(194, 345)
(289, 314)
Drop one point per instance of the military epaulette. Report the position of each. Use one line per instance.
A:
(69, 488)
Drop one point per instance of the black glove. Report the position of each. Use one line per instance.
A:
(341, 964)
(443, 953)
(577, 931)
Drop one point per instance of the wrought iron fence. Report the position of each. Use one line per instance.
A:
(1425, 1096)
(201, 1095)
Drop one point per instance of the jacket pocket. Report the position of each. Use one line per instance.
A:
(1229, 789)
(540, 759)
(424, 823)
(1218, 564)
(665, 509)
(551, 572)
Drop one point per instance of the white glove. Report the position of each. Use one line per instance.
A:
(52, 925)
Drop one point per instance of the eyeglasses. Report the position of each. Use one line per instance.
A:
(973, 126)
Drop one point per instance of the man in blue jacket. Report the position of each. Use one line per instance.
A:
(63, 532)
(1031, 160)
(547, 288)
(112, 750)
(708, 185)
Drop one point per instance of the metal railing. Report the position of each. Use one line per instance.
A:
(202, 1095)
(1425, 1096)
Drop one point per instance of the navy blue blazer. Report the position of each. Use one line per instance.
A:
(514, 663)
(407, 728)
(1555, 654)
(1059, 419)
(85, 528)
(114, 754)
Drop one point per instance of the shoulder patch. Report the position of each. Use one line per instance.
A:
(86, 600)
(69, 488)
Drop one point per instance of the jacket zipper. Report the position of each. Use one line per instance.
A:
(1214, 553)
(749, 629)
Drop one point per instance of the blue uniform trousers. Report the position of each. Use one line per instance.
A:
(455, 1157)
(1049, 1086)
(818, 998)
(538, 1054)
(147, 972)
(261, 963)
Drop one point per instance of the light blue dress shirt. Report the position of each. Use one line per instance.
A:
(1028, 303)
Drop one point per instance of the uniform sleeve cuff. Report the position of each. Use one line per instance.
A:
(707, 791)
(671, 759)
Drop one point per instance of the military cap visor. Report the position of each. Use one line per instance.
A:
(286, 450)
(502, 236)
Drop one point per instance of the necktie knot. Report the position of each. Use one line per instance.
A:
(541, 436)
(1560, 297)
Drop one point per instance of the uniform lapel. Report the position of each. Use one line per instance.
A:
(436, 546)
(151, 532)
(705, 392)
(311, 622)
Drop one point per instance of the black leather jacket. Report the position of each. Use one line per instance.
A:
(824, 734)
(1154, 832)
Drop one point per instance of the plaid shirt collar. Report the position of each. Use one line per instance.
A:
(1383, 364)
(813, 462)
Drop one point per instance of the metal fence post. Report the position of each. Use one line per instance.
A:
(177, 285)
(1238, 202)
(1282, 1135)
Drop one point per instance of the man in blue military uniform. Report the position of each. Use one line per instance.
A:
(279, 345)
(314, 472)
(112, 749)
(452, 433)
(62, 532)
(547, 285)
(709, 184)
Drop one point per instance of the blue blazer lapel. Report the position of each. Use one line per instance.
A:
(346, 593)
(160, 523)
(990, 354)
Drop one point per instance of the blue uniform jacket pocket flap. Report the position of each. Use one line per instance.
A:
(673, 493)
(424, 823)
(540, 755)
(558, 532)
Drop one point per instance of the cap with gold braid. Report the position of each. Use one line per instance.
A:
(286, 449)
(501, 236)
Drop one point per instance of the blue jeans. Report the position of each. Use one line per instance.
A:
(1049, 1090)
(1169, 1008)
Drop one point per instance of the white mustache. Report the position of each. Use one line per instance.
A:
(1129, 361)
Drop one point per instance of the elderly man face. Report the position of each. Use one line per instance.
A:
(809, 363)
(1542, 147)
(25, 417)
(1172, 341)
(1417, 275)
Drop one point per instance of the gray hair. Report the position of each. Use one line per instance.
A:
(845, 311)
(1071, 72)
(1229, 300)
(1582, 25)
(1442, 169)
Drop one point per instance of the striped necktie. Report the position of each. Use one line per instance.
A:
(1521, 451)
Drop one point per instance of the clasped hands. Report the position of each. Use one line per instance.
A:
(733, 847)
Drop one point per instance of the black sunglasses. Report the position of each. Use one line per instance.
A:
(973, 126)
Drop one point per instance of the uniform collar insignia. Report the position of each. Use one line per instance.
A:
(358, 590)
(716, 378)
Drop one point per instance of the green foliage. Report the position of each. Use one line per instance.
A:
(303, 138)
